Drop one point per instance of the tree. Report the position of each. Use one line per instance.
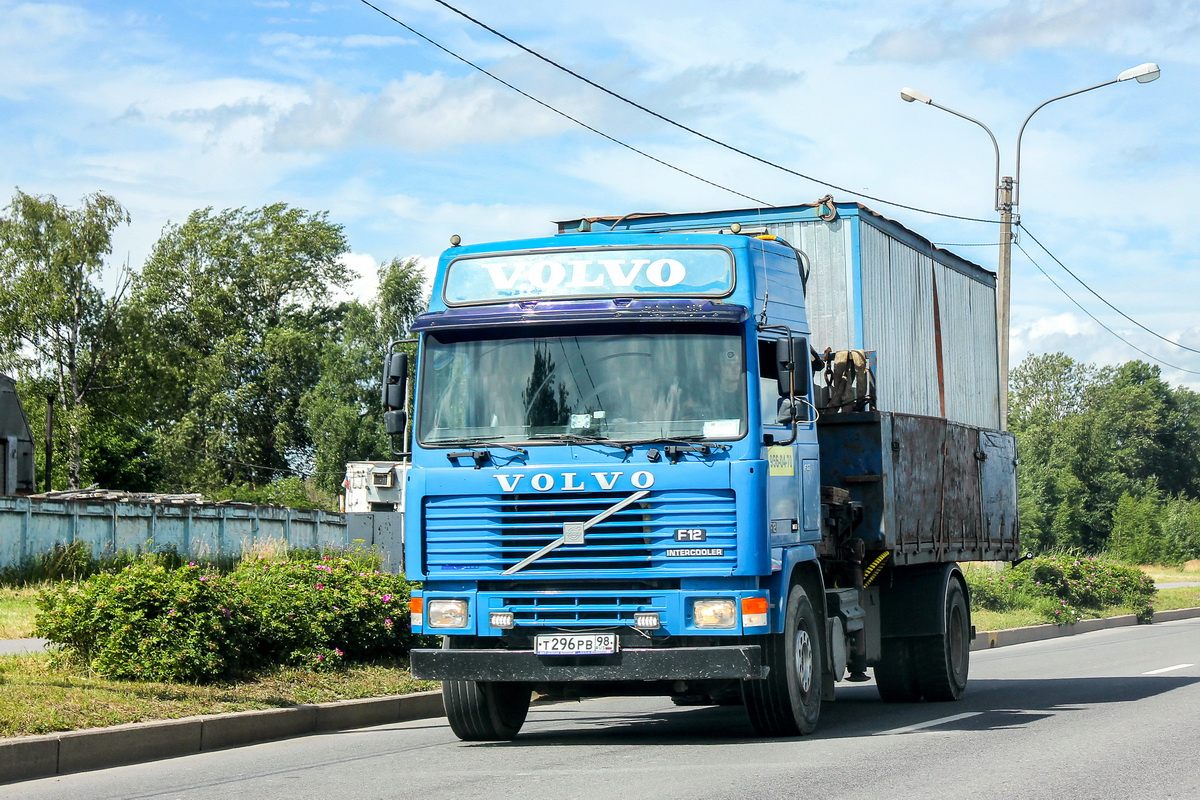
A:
(1099, 449)
(343, 410)
(57, 325)
(234, 309)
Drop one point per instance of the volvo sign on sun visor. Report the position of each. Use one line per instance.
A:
(686, 271)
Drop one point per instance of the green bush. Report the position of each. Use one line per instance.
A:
(1063, 589)
(148, 622)
(190, 623)
(322, 611)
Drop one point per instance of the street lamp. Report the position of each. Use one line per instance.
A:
(1007, 201)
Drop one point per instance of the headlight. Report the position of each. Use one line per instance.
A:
(714, 613)
(445, 613)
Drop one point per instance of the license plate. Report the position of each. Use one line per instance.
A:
(577, 644)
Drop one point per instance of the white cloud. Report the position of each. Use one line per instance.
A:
(1011, 27)
(421, 112)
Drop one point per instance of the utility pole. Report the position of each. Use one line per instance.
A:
(1004, 290)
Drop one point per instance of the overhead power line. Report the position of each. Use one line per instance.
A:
(1101, 299)
(1097, 321)
(651, 112)
(562, 114)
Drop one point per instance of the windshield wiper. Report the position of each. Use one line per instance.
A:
(676, 446)
(687, 439)
(479, 441)
(577, 438)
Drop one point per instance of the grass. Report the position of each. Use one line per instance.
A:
(1171, 574)
(1183, 597)
(37, 697)
(17, 610)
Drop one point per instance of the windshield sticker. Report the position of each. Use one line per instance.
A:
(722, 428)
(691, 272)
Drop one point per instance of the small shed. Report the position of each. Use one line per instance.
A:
(16, 443)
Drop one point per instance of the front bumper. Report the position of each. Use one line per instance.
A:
(677, 663)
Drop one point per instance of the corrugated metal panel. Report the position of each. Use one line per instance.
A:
(831, 318)
(898, 323)
(969, 345)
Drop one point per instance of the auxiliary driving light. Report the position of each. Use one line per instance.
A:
(647, 620)
(717, 612)
(501, 619)
(446, 613)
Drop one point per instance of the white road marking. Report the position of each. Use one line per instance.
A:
(930, 724)
(1168, 669)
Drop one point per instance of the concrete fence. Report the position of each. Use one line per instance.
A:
(31, 527)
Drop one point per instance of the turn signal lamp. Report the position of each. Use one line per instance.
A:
(416, 610)
(446, 613)
(717, 612)
(754, 612)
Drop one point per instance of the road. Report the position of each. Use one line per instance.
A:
(1110, 714)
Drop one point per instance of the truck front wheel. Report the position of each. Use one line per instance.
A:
(481, 711)
(788, 701)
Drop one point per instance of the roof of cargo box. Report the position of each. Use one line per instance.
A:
(803, 212)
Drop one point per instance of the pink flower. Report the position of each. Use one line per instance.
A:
(337, 651)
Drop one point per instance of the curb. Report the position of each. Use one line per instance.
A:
(31, 757)
(986, 640)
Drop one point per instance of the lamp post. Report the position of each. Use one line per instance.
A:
(1007, 202)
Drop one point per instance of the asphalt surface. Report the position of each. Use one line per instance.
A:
(9, 647)
(1107, 714)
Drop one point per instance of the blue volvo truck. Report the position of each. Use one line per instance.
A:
(731, 457)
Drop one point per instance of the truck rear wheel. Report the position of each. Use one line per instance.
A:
(942, 661)
(895, 675)
(481, 711)
(788, 701)
(930, 666)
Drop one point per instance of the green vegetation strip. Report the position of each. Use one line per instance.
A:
(37, 697)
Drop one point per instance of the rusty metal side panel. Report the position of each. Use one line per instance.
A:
(932, 490)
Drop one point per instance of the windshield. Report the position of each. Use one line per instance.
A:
(658, 382)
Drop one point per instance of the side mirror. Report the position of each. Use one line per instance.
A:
(794, 377)
(395, 383)
(784, 365)
(394, 422)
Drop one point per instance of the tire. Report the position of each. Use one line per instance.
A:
(896, 675)
(481, 711)
(942, 661)
(788, 701)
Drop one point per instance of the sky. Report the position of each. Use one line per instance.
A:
(331, 106)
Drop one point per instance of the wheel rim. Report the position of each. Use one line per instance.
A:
(804, 659)
(957, 643)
